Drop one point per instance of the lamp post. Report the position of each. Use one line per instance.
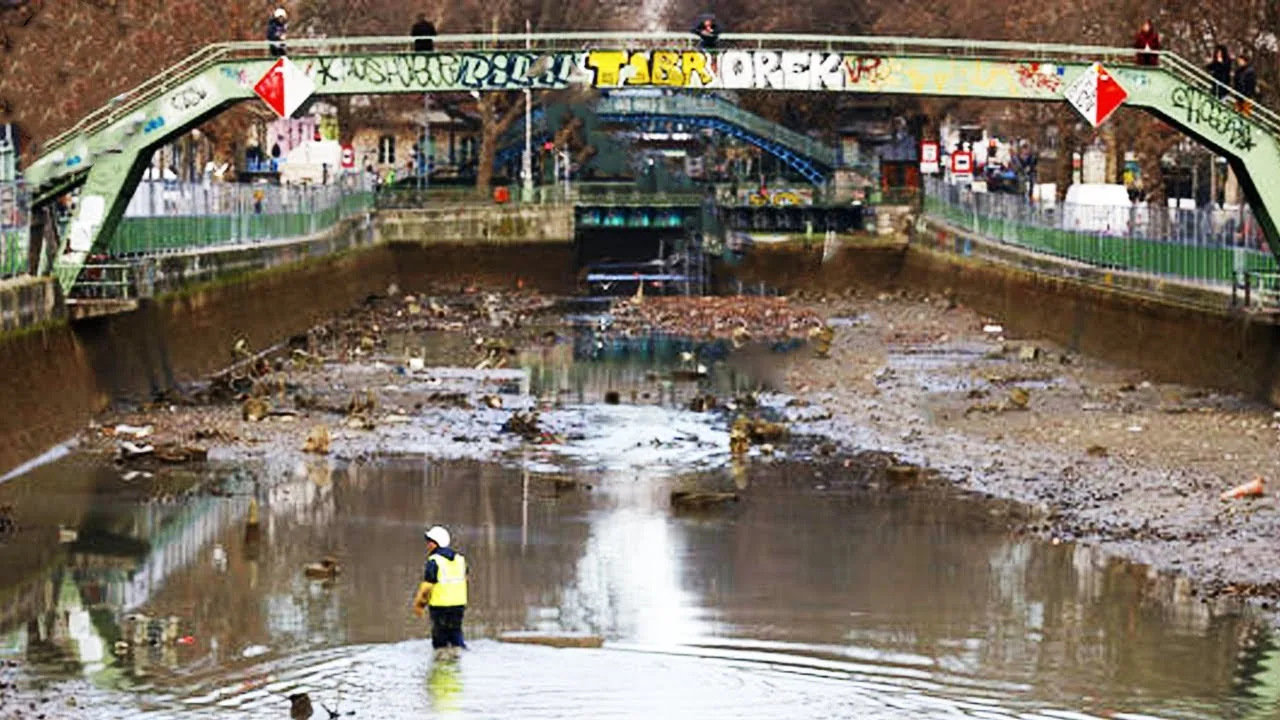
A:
(526, 161)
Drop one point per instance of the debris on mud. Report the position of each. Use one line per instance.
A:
(317, 441)
(691, 500)
(717, 318)
(1254, 488)
(326, 569)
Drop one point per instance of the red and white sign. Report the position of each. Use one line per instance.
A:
(1096, 94)
(348, 157)
(284, 88)
(962, 164)
(928, 157)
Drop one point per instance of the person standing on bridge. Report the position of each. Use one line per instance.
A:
(1220, 69)
(444, 590)
(708, 31)
(277, 28)
(422, 32)
(1245, 83)
(1148, 40)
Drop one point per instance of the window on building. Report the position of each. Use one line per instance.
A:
(387, 150)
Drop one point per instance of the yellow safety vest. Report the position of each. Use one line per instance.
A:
(450, 589)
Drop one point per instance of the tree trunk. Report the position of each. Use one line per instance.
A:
(484, 167)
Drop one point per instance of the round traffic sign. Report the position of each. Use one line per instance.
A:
(348, 156)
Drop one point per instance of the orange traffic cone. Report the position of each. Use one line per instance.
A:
(1253, 488)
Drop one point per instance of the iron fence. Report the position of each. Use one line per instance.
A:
(15, 229)
(165, 217)
(1211, 245)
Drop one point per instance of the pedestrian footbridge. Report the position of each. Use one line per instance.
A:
(106, 153)
(811, 159)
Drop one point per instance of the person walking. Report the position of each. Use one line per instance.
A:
(277, 28)
(1148, 41)
(444, 591)
(1245, 83)
(1220, 69)
(423, 31)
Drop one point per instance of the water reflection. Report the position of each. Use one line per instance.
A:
(846, 599)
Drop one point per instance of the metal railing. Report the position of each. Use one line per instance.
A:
(168, 217)
(1204, 245)
(15, 229)
(133, 99)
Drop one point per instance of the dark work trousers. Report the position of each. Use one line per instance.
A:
(446, 626)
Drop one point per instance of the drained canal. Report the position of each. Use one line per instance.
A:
(823, 590)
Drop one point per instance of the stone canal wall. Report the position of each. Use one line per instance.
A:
(55, 376)
(1175, 337)
(27, 302)
(477, 225)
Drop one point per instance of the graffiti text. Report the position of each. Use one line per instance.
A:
(187, 98)
(1204, 110)
(735, 69)
(1038, 76)
(480, 71)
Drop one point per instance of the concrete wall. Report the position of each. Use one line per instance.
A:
(28, 301)
(1169, 339)
(498, 224)
(172, 273)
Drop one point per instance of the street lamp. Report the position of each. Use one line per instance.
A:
(526, 161)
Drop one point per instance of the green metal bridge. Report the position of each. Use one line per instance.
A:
(106, 153)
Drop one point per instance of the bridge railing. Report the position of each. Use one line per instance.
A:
(1203, 245)
(683, 104)
(170, 217)
(130, 101)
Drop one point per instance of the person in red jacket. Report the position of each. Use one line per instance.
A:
(1148, 42)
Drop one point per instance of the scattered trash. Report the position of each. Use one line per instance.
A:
(187, 640)
(255, 409)
(903, 473)
(993, 329)
(175, 454)
(702, 403)
(317, 441)
(1028, 353)
(254, 651)
(416, 364)
(67, 535)
(565, 640)
(135, 431)
(821, 338)
(326, 569)
(130, 450)
(523, 424)
(689, 500)
(1254, 488)
(1019, 398)
(1096, 451)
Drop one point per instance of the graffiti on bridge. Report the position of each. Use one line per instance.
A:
(736, 69)
(1040, 76)
(479, 71)
(1205, 111)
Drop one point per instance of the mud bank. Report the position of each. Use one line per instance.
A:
(1173, 342)
(1103, 454)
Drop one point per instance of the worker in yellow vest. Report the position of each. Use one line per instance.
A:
(444, 590)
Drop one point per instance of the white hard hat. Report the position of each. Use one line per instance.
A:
(280, 13)
(438, 535)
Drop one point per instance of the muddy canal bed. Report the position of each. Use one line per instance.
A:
(827, 554)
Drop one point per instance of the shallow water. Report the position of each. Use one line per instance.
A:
(824, 592)
(817, 590)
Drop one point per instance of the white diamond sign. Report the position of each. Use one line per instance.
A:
(284, 87)
(1096, 94)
